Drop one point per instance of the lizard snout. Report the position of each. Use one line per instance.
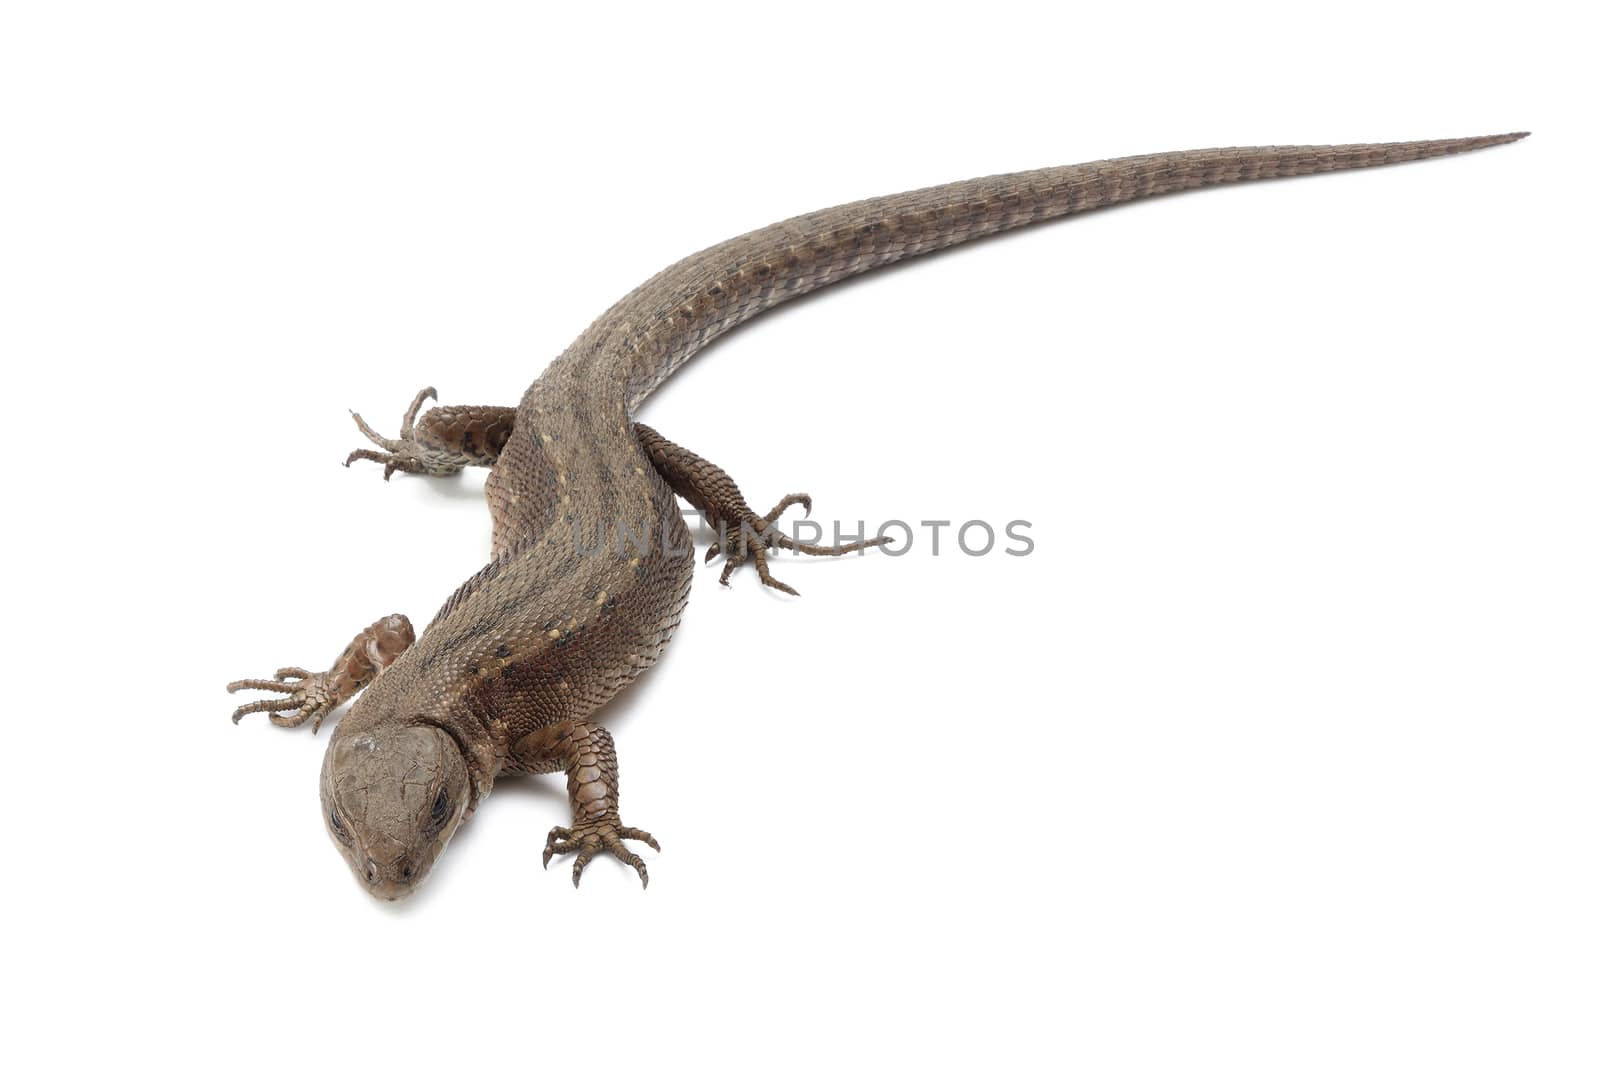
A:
(403, 874)
(392, 885)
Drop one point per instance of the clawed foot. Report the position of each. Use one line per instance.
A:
(407, 454)
(756, 534)
(311, 697)
(590, 836)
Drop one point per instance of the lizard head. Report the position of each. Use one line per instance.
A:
(391, 799)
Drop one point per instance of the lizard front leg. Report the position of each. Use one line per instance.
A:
(313, 694)
(741, 533)
(589, 757)
(443, 442)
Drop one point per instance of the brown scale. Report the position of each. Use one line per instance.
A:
(509, 673)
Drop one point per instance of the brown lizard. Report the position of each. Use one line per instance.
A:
(591, 561)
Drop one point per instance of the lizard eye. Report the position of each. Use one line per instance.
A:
(441, 807)
(336, 824)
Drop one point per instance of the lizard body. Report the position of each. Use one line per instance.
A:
(507, 676)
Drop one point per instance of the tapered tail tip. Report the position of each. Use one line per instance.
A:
(1472, 144)
(1487, 140)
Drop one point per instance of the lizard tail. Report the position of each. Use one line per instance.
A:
(680, 310)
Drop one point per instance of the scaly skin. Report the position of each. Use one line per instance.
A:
(507, 677)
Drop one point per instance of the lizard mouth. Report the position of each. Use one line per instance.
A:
(390, 892)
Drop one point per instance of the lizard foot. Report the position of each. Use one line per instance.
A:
(407, 453)
(311, 696)
(589, 836)
(756, 534)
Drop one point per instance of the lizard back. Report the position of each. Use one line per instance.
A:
(579, 627)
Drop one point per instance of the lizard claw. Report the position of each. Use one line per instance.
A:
(589, 836)
(788, 502)
(406, 453)
(756, 535)
(310, 697)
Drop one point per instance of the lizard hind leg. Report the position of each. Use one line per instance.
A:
(742, 534)
(442, 442)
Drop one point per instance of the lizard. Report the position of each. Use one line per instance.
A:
(509, 675)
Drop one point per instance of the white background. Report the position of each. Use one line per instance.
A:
(1281, 748)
